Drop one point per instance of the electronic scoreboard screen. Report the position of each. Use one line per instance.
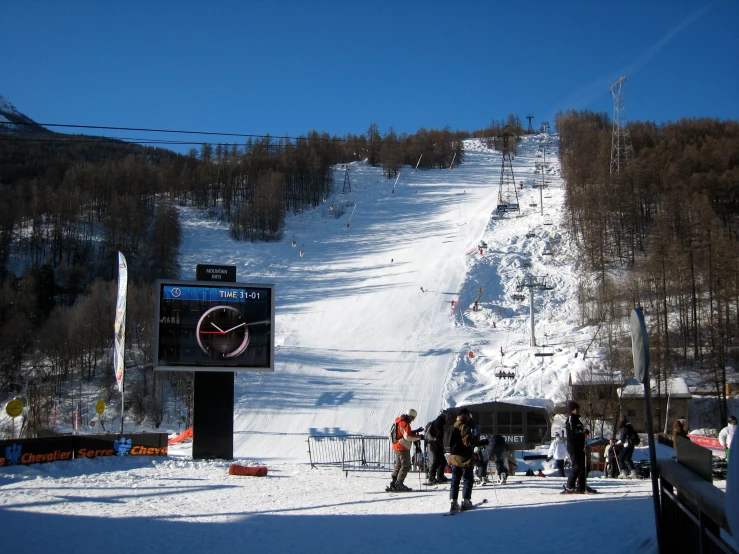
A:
(207, 326)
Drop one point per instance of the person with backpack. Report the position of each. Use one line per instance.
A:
(434, 437)
(577, 434)
(402, 438)
(628, 439)
(558, 453)
(462, 443)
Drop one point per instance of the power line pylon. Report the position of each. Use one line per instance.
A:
(531, 128)
(621, 149)
(347, 182)
(507, 193)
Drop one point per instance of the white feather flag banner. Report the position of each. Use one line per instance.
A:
(120, 321)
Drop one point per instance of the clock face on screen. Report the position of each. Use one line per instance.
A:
(222, 332)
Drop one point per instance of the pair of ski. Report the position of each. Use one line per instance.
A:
(590, 490)
(475, 505)
(498, 484)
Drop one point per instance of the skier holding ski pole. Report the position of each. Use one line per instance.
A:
(577, 434)
(462, 459)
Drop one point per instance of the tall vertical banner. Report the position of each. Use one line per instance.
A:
(120, 321)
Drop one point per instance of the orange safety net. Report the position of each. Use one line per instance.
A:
(186, 434)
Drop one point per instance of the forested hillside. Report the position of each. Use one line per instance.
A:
(71, 202)
(663, 234)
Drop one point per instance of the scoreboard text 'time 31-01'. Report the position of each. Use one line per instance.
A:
(203, 326)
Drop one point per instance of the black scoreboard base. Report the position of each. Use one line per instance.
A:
(213, 415)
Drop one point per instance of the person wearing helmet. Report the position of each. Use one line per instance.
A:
(726, 434)
(404, 439)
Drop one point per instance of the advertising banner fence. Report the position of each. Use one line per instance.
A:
(69, 447)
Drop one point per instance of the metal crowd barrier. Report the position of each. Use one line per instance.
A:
(352, 452)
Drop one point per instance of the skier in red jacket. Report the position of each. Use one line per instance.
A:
(404, 439)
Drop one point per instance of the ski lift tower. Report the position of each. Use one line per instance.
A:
(621, 148)
(533, 282)
(507, 193)
(531, 128)
(544, 166)
(347, 182)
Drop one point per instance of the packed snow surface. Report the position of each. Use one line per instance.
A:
(357, 343)
(180, 505)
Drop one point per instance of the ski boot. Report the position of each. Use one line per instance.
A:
(454, 507)
(466, 505)
(400, 487)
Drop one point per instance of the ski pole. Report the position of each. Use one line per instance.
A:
(495, 491)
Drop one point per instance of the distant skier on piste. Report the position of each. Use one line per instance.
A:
(403, 439)
(577, 434)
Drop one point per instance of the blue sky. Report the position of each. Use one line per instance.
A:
(292, 66)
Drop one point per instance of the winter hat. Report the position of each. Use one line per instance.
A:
(732, 419)
(411, 412)
(572, 405)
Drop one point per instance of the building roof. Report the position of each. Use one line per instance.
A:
(586, 377)
(676, 387)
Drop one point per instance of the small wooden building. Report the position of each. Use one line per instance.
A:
(672, 402)
(597, 393)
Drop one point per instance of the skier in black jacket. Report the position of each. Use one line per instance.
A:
(497, 450)
(576, 436)
(434, 437)
(626, 442)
